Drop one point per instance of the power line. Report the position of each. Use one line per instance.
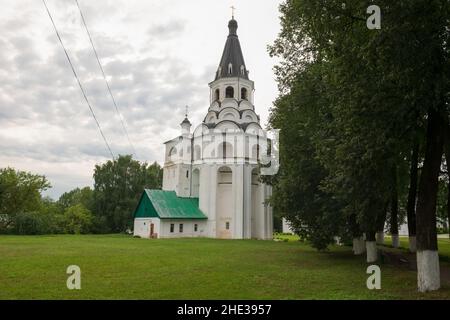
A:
(78, 81)
(106, 81)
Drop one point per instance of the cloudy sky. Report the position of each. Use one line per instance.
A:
(158, 56)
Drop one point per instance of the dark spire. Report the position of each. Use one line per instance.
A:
(232, 53)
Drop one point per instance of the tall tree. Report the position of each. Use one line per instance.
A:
(117, 187)
(427, 250)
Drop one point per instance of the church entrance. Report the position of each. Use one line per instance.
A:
(224, 203)
(152, 230)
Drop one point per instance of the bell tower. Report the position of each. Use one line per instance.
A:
(232, 77)
(218, 162)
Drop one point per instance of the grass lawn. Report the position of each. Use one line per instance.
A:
(122, 267)
(443, 247)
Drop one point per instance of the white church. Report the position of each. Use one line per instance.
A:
(212, 175)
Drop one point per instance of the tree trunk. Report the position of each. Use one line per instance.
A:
(428, 273)
(358, 246)
(412, 194)
(394, 209)
(371, 247)
(358, 239)
(380, 226)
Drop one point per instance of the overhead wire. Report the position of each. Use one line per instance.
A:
(106, 80)
(78, 81)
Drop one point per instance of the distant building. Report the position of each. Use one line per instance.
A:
(211, 183)
(286, 228)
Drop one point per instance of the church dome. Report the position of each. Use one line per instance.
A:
(232, 26)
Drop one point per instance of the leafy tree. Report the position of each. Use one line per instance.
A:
(299, 193)
(382, 87)
(117, 188)
(77, 220)
(20, 192)
(83, 196)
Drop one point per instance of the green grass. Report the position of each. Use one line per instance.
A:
(443, 247)
(122, 267)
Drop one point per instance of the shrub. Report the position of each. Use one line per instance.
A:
(77, 219)
(32, 223)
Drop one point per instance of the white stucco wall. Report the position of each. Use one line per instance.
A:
(188, 228)
(142, 227)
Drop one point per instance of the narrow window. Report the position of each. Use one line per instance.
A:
(230, 68)
(227, 225)
(195, 227)
(244, 94)
(187, 174)
(229, 92)
(181, 227)
(172, 227)
(242, 70)
(217, 95)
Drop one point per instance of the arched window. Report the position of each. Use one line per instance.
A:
(217, 95)
(244, 94)
(172, 153)
(230, 68)
(229, 92)
(242, 70)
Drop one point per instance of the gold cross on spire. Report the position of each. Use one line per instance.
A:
(233, 9)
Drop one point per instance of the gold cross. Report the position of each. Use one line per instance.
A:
(232, 11)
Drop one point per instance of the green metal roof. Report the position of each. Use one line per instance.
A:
(166, 205)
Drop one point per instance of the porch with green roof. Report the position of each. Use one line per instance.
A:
(167, 205)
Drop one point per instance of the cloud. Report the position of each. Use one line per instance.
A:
(166, 30)
(155, 64)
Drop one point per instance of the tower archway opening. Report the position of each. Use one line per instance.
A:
(229, 92)
(244, 94)
(217, 95)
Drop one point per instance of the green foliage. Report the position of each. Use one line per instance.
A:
(352, 103)
(77, 220)
(298, 191)
(32, 223)
(107, 208)
(118, 185)
(84, 196)
(20, 193)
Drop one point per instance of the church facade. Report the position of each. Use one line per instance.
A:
(212, 183)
